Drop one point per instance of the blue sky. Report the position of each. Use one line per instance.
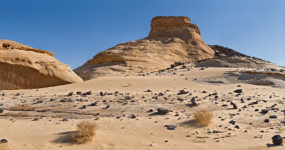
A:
(76, 30)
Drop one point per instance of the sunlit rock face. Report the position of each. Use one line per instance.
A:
(171, 39)
(23, 67)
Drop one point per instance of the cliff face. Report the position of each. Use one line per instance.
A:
(172, 27)
(171, 39)
(23, 67)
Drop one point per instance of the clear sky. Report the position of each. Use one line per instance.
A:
(76, 30)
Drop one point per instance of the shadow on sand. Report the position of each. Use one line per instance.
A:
(272, 145)
(64, 138)
(189, 123)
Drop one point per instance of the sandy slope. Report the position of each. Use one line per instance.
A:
(117, 131)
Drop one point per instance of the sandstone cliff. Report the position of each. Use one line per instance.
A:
(23, 67)
(171, 39)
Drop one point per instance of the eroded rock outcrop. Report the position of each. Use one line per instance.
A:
(226, 57)
(23, 67)
(171, 39)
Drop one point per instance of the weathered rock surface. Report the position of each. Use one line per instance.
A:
(171, 39)
(226, 57)
(23, 67)
(237, 62)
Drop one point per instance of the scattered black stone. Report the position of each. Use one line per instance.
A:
(180, 99)
(83, 107)
(1, 110)
(93, 104)
(277, 140)
(148, 90)
(181, 92)
(160, 94)
(216, 131)
(234, 105)
(52, 99)
(132, 116)
(66, 100)
(162, 111)
(238, 91)
(237, 127)
(64, 119)
(101, 94)
(150, 110)
(82, 100)
(176, 64)
(128, 97)
(4, 141)
(264, 111)
(170, 127)
(253, 103)
(70, 94)
(183, 67)
(155, 97)
(35, 119)
(87, 93)
(266, 120)
(193, 102)
(78, 92)
(232, 122)
(272, 116)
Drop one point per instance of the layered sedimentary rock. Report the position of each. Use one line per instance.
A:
(171, 39)
(23, 67)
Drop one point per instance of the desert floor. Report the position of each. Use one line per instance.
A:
(126, 118)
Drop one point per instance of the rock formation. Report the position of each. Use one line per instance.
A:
(226, 57)
(171, 39)
(23, 67)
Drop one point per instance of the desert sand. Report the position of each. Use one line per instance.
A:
(125, 113)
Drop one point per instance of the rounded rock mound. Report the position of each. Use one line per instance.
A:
(171, 39)
(23, 67)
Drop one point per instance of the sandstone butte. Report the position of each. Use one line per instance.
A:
(24, 67)
(171, 39)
